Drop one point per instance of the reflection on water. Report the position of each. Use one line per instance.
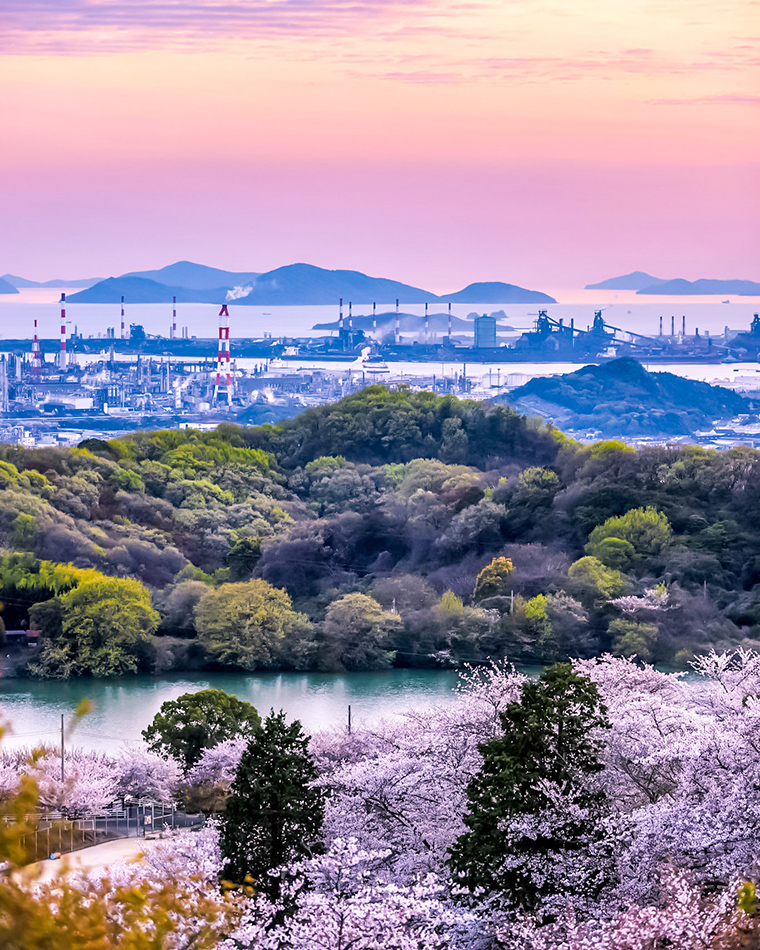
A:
(123, 709)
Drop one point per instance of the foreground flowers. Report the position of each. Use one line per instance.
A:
(679, 769)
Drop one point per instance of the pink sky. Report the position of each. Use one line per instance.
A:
(543, 143)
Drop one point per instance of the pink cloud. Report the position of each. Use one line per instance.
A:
(729, 98)
(98, 26)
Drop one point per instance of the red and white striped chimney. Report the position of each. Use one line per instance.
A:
(62, 354)
(223, 355)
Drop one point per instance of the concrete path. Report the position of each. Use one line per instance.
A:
(97, 856)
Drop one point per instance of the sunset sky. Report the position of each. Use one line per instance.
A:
(546, 143)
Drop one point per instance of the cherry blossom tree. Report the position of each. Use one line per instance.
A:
(143, 775)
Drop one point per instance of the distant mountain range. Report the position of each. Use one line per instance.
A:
(196, 276)
(6, 287)
(293, 285)
(636, 280)
(22, 282)
(646, 284)
(742, 288)
(622, 398)
(142, 290)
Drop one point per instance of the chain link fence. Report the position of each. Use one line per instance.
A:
(54, 834)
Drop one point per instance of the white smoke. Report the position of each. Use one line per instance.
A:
(237, 292)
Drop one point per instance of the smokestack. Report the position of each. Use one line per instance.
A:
(174, 318)
(449, 321)
(36, 356)
(350, 318)
(672, 326)
(398, 325)
(660, 326)
(122, 318)
(223, 356)
(340, 318)
(62, 354)
(427, 325)
(374, 319)
(683, 326)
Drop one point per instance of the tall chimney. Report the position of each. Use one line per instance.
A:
(398, 325)
(449, 321)
(223, 355)
(36, 356)
(123, 335)
(62, 354)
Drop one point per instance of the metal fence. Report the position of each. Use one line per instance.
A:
(54, 834)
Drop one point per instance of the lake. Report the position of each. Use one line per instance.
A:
(124, 707)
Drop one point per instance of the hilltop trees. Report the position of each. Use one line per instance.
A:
(347, 499)
(357, 634)
(640, 532)
(105, 630)
(251, 625)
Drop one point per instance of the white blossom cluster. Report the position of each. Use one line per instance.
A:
(681, 776)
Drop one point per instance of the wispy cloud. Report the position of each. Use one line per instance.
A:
(93, 26)
(585, 65)
(725, 99)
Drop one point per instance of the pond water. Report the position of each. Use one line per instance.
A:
(123, 708)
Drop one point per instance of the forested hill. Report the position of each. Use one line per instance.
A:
(390, 528)
(622, 398)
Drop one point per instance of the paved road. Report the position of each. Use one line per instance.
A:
(98, 856)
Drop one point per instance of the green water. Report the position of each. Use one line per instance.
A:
(123, 708)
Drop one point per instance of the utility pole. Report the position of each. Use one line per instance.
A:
(349, 720)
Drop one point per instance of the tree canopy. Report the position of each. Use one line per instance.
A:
(185, 726)
(274, 812)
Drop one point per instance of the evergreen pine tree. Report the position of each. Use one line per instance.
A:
(538, 829)
(274, 813)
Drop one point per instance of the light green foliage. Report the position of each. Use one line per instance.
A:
(633, 639)
(126, 479)
(537, 481)
(535, 608)
(492, 580)
(609, 447)
(185, 726)
(647, 530)
(430, 475)
(592, 577)
(106, 626)
(614, 552)
(450, 604)
(540, 626)
(358, 634)
(23, 572)
(252, 625)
